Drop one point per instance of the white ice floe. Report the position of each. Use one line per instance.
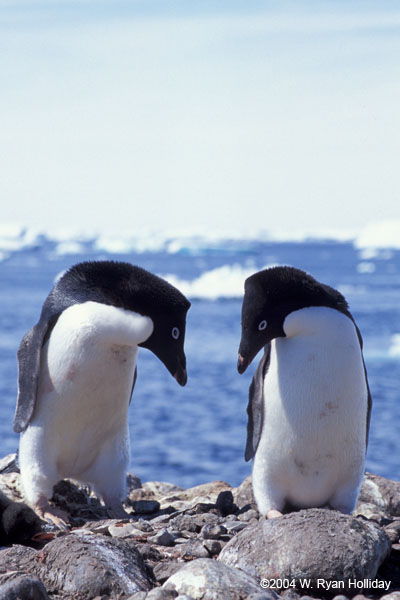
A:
(383, 234)
(223, 282)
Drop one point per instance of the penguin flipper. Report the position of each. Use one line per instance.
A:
(133, 383)
(28, 372)
(255, 405)
(369, 405)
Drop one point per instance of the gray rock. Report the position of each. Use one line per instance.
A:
(248, 515)
(297, 544)
(138, 596)
(165, 569)
(204, 579)
(82, 565)
(162, 538)
(11, 486)
(161, 488)
(185, 523)
(23, 586)
(214, 547)
(132, 482)
(206, 492)
(243, 495)
(160, 594)
(265, 595)
(17, 558)
(212, 532)
(124, 530)
(143, 525)
(193, 549)
(380, 495)
(145, 507)
(392, 596)
(236, 526)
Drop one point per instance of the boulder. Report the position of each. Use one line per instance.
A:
(85, 565)
(206, 579)
(310, 544)
(23, 586)
(379, 497)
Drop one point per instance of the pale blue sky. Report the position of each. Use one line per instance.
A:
(181, 114)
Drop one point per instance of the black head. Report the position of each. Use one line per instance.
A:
(132, 288)
(271, 295)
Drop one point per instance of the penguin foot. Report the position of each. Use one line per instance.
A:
(52, 515)
(273, 514)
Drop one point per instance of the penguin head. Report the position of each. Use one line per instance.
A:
(272, 294)
(133, 288)
(166, 342)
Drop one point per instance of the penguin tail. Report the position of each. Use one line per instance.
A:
(9, 464)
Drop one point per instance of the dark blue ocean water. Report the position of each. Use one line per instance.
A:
(197, 433)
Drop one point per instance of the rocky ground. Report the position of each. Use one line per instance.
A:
(207, 542)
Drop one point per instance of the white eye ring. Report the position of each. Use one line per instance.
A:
(175, 333)
(262, 325)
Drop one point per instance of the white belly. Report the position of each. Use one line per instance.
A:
(315, 407)
(86, 376)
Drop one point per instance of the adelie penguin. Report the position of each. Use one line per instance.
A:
(77, 371)
(309, 401)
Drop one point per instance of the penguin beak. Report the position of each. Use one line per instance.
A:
(180, 373)
(248, 349)
(242, 364)
(181, 376)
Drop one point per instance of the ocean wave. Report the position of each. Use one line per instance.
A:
(223, 282)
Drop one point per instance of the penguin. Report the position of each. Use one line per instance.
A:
(309, 400)
(76, 374)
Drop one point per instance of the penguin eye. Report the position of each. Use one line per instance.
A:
(262, 325)
(175, 333)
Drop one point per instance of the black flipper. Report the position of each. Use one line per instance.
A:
(368, 420)
(133, 384)
(29, 368)
(255, 406)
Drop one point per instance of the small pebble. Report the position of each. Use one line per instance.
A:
(248, 515)
(143, 507)
(123, 531)
(161, 594)
(212, 532)
(213, 546)
(195, 549)
(235, 527)
(162, 538)
(143, 525)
